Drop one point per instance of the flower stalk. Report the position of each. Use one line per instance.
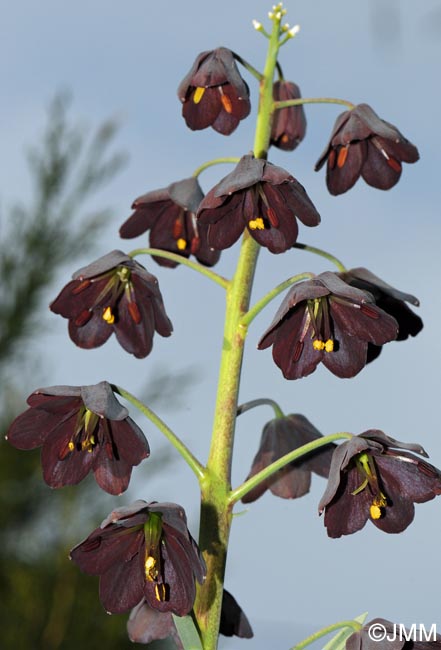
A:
(216, 510)
(254, 481)
(186, 454)
(158, 252)
(354, 625)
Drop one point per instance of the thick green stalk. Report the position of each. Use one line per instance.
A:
(216, 514)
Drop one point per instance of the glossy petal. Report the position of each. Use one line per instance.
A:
(56, 421)
(363, 144)
(213, 93)
(400, 478)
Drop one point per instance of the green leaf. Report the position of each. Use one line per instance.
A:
(187, 632)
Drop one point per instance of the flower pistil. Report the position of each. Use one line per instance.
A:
(366, 467)
(152, 564)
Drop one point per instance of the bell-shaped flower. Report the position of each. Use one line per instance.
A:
(80, 429)
(362, 144)
(289, 124)
(113, 294)
(374, 477)
(326, 320)
(261, 197)
(143, 551)
(280, 436)
(170, 216)
(390, 300)
(213, 93)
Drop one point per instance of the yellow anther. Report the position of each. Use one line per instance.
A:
(198, 94)
(181, 244)
(88, 444)
(71, 446)
(318, 345)
(256, 224)
(375, 512)
(151, 572)
(160, 592)
(329, 345)
(378, 503)
(108, 316)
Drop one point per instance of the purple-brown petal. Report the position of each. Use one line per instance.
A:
(121, 587)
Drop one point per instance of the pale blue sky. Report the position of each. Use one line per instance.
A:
(126, 59)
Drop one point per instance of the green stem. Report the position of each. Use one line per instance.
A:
(327, 630)
(216, 513)
(262, 401)
(312, 100)
(215, 161)
(318, 251)
(186, 454)
(179, 259)
(257, 308)
(251, 69)
(250, 484)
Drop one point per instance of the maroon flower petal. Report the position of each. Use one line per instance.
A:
(112, 474)
(93, 333)
(347, 513)
(377, 171)
(104, 548)
(348, 357)
(295, 358)
(60, 465)
(341, 177)
(135, 337)
(146, 625)
(366, 322)
(30, 429)
(121, 587)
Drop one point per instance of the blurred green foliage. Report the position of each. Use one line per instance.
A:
(45, 602)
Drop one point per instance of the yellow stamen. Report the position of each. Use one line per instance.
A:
(378, 503)
(256, 224)
(181, 244)
(71, 446)
(329, 345)
(375, 512)
(318, 345)
(108, 316)
(160, 592)
(151, 572)
(88, 444)
(198, 94)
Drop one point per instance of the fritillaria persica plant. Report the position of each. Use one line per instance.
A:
(146, 558)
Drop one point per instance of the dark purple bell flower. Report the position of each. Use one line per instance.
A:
(213, 93)
(170, 216)
(113, 294)
(81, 429)
(279, 437)
(143, 551)
(371, 477)
(390, 300)
(326, 320)
(261, 197)
(364, 145)
(289, 124)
